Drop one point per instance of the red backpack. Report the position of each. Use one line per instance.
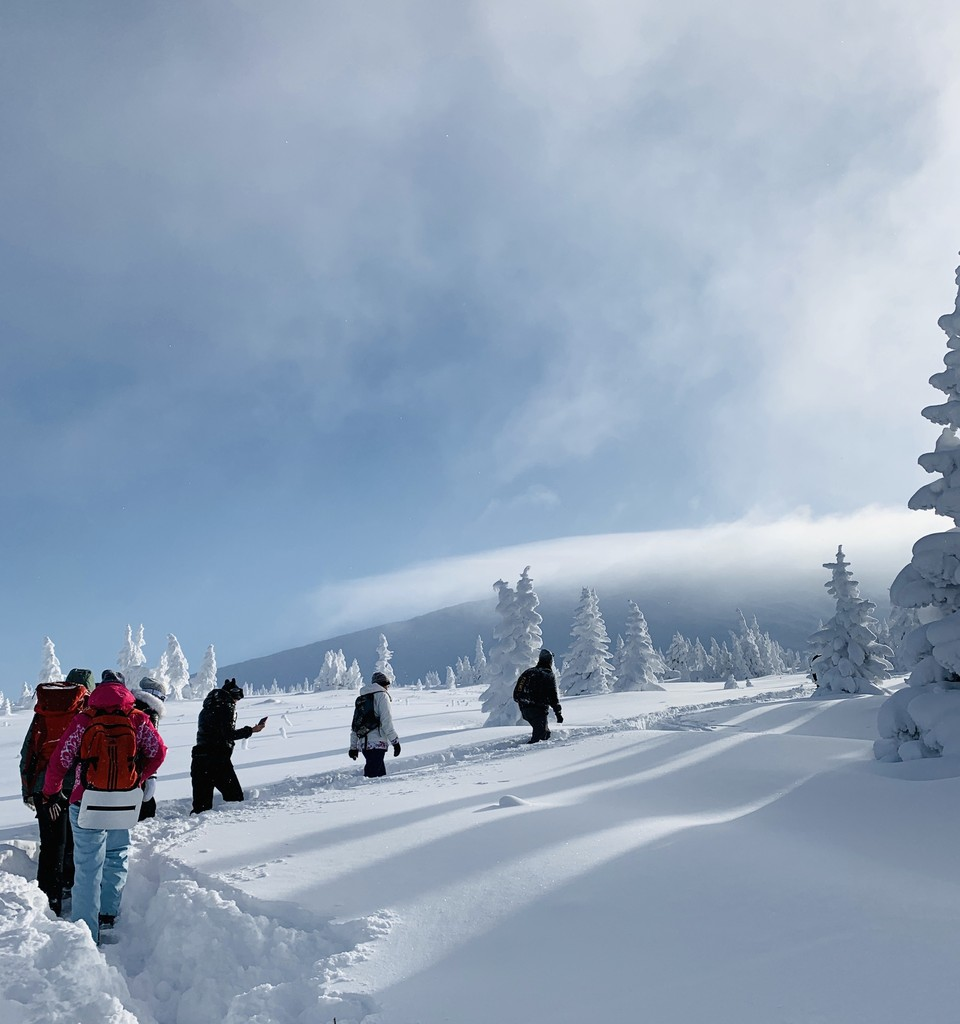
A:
(57, 705)
(108, 751)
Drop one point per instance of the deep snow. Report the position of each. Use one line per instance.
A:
(685, 856)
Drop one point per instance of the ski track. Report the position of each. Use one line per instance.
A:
(235, 958)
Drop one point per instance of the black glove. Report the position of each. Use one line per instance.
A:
(352, 754)
(559, 718)
(31, 802)
(55, 805)
(396, 749)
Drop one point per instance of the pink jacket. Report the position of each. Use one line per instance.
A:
(105, 697)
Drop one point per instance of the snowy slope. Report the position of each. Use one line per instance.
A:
(682, 856)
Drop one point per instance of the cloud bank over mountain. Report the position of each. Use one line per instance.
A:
(688, 581)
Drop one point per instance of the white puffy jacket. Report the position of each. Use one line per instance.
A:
(386, 735)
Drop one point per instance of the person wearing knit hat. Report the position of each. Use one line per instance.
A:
(149, 695)
(372, 728)
(211, 766)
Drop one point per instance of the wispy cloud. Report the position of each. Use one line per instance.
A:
(877, 543)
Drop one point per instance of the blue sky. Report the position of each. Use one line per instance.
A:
(300, 294)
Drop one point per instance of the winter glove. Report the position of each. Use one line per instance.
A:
(396, 750)
(149, 788)
(352, 754)
(55, 805)
(559, 718)
(31, 802)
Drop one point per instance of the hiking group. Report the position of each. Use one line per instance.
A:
(89, 761)
(87, 756)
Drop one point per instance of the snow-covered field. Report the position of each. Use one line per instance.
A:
(696, 855)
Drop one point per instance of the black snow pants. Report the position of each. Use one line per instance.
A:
(373, 767)
(210, 770)
(536, 715)
(55, 860)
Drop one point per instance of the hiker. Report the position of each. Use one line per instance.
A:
(536, 693)
(149, 695)
(57, 703)
(372, 727)
(210, 764)
(113, 748)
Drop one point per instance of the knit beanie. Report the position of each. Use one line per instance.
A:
(151, 692)
(81, 677)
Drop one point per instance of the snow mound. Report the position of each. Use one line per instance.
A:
(50, 970)
(507, 800)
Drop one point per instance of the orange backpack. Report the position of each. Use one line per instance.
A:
(108, 751)
(57, 704)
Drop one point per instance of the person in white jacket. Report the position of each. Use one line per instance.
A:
(372, 728)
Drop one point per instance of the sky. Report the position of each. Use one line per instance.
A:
(298, 295)
(707, 854)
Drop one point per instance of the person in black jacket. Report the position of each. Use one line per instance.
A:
(210, 764)
(536, 693)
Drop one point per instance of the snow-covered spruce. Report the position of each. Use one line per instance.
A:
(517, 643)
(50, 671)
(587, 666)
(923, 719)
(846, 656)
(639, 664)
(384, 656)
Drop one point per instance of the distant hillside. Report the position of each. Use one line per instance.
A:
(789, 612)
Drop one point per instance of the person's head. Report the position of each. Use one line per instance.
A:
(380, 679)
(108, 675)
(230, 687)
(81, 677)
(153, 687)
(151, 693)
(546, 659)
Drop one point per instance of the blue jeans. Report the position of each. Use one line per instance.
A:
(100, 865)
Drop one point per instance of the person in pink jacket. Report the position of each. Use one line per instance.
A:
(100, 855)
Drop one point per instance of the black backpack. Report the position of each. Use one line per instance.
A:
(365, 718)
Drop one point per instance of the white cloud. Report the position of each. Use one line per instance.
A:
(876, 541)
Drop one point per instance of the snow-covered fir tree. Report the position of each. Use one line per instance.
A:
(529, 634)
(750, 648)
(845, 653)
(206, 678)
(130, 657)
(433, 680)
(517, 643)
(353, 678)
(923, 718)
(699, 667)
(723, 661)
(738, 663)
(384, 654)
(162, 672)
(588, 665)
(618, 647)
(901, 623)
(479, 661)
(50, 671)
(678, 656)
(638, 660)
(178, 671)
(333, 672)
(451, 681)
